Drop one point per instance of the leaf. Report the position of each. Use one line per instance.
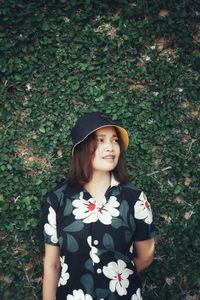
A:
(72, 245)
(111, 296)
(18, 77)
(101, 293)
(115, 192)
(60, 240)
(88, 283)
(108, 241)
(119, 255)
(45, 26)
(75, 86)
(1, 198)
(128, 236)
(117, 222)
(74, 227)
(42, 129)
(178, 189)
(60, 194)
(68, 208)
(124, 210)
(89, 266)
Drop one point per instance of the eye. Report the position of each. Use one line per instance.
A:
(116, 141)
(100, 140)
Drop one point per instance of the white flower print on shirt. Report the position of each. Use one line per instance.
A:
(64, 274)
(143, 209)
(137, 296)
(89, 212)
(93, 251)
(78, 295)
(50, 227)
(118, 273)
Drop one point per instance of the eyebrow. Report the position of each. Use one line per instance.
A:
(102, 135)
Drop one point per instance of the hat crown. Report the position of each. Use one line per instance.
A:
(88, 123)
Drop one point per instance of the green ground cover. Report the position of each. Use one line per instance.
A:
(135, 60)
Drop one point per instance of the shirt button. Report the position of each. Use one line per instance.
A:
(98, 271)
(96, 242)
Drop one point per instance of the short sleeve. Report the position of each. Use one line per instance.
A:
(47, 229)
(145, 228)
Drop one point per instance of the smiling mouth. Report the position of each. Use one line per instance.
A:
(109, 157)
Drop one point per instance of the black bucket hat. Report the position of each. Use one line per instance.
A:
(90, 122)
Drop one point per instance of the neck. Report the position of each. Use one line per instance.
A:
(99, 180)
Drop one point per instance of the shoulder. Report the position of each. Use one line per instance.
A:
(131, 191)
(63, 189)
(131, 188)
(57, 189)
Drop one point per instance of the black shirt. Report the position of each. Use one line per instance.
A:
(96, 243)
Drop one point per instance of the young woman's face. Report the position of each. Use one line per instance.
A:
(107, 153)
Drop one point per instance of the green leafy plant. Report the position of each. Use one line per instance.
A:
(137, 61)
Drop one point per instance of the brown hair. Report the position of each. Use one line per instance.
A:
(82, 170)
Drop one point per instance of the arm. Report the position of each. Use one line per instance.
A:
(144, 254)
(51, 272)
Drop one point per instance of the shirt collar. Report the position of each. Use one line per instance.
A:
(113, 181)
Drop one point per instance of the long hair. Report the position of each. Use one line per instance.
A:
(81, 167)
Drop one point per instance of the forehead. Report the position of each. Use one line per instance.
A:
(108, 130)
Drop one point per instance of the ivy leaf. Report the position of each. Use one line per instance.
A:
(75, 86)
(1, 198)
(42, 129)
(45, 26)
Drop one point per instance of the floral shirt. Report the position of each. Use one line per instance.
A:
(96, 242)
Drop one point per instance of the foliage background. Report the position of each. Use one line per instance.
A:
(136, 60)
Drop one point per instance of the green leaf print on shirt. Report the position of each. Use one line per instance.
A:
(60, 194)
(124, 208)
(128, 236)
(68, 208)
(60, 241)
(132, 223)
(72, 244)
(88, 283)
(117, 222)
(89, 265)
(75, 226)
(112, 296)
(115, 192)
(101, 293)
(108, 241)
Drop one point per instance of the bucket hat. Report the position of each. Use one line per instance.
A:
(90, 122)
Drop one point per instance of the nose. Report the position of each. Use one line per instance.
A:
(109, 146)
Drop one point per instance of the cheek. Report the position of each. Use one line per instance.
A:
(118, 150)
(96, 155)
(98, 150)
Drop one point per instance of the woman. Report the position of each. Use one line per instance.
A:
(97, 228)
